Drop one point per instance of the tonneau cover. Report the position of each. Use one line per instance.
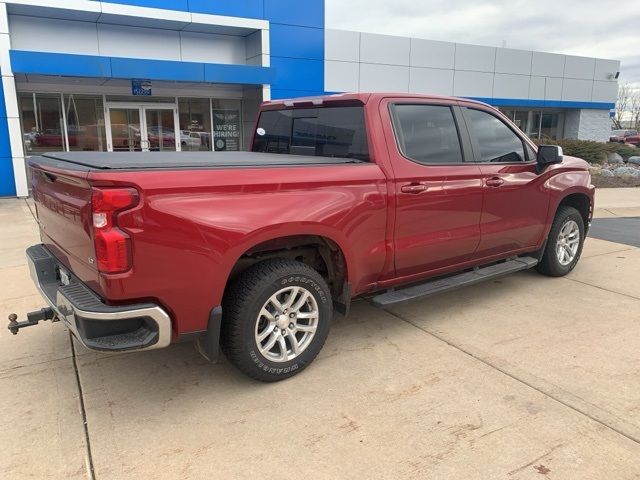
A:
(179, 160)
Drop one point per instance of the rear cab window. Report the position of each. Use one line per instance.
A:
(321, 132)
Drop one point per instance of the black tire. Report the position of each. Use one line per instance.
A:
(550, 264)
(243, 303)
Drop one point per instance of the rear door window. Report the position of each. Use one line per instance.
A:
(427, 134)
(320, 132)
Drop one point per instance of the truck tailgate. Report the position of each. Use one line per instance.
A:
(63, 206)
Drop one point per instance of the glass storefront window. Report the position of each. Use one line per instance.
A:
(85, 123)
(42, 125)
(551, 125)
(227, 125)
(195, 124)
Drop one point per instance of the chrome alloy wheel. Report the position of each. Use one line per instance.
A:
(568, 242)
(286, 324)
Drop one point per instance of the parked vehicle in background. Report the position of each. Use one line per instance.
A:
(342, 196)
(190, 140)
(625, 136)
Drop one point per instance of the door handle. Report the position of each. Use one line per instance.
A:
(414, 188)
(494, 182)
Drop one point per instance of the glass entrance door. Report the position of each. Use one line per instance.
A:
(141, 127)
(125, 132)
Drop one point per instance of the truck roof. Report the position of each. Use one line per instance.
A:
(362, 98)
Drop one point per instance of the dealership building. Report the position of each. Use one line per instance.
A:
(184, 75)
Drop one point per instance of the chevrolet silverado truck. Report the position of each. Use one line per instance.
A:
(391, 197)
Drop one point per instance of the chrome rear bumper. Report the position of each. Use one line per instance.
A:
(96, 325)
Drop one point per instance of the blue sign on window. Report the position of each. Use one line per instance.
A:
(141, 87)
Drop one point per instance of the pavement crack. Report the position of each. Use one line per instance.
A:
(554, 392)
(602, 288)
(91, 471)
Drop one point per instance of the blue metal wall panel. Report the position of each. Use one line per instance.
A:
(245, 74)
(518, 102)
(306, 13)
(7, 181)
(297, 42)
(278, 94)
(60, 64)
(231, 8)
(115, 67)
(298, 74)
(157, 69)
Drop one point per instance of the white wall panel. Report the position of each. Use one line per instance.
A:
(432, 54)
(536, 88)
(553, 88)
(576, 90)
(605, 92)
(133, 42)
(579, 67)
(510, 86)
(385, 49)
(473, 84)
(383, 78)
(47, 35)
(509, 60)
(434, 81)
(475, 58)
(547, 64)
(342, 45)
(210, 48)
(606, 69)
(4, 19)
(341, 76)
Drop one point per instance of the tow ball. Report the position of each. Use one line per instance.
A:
(32, 319)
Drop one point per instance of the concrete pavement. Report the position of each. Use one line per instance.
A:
(522, 377)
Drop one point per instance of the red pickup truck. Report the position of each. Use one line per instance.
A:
(389, 196)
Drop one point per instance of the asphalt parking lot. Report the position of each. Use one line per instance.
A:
(522, 377)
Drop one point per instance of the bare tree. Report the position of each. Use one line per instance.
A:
(622, 104)
(634, 109)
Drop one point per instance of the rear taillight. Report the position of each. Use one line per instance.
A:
(113, 246)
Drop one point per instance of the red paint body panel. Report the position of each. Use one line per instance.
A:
(192, 225)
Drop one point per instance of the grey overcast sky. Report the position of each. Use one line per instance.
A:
(578, 27)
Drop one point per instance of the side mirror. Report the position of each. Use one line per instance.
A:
(548, 155)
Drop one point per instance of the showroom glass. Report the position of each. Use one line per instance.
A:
(195, 124)
(42, 125)
(427, 133)
(85, 122)
(320, 132)
(227, 125)
(497, 142)
(161, 135)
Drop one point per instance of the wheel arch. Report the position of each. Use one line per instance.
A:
(319, 251)
(581, 201)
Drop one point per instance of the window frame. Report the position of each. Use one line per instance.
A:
(475, 145)
(463, 138)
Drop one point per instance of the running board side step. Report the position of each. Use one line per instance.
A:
(433, 287)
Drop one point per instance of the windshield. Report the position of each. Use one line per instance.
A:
(320, 132)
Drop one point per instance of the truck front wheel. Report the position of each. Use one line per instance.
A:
(276, 318)
(564, 244)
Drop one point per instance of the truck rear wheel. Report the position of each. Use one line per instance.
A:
(564, 244)
(276, 318)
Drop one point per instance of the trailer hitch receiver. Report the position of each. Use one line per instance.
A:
(32, 319)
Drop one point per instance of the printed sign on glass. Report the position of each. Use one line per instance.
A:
(226, 130)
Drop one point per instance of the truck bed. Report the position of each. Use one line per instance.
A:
(88, 161)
